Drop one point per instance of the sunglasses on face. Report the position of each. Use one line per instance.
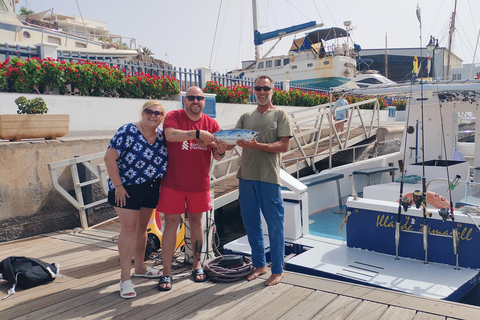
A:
(150, 112)
(192, 98)
(265, 88)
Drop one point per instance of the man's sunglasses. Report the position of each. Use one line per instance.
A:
(192, 98)
(265, 88)
(150, 112)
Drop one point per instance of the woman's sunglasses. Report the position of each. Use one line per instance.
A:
(150, 112)
(192, 98)
(265, 88)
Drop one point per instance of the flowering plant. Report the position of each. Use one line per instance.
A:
(237, 94)
(400, 105)
(88, 78)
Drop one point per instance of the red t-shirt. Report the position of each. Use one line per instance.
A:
(188, 163)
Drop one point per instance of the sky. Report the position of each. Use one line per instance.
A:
(219, 33)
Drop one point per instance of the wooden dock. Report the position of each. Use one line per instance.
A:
(90, 290)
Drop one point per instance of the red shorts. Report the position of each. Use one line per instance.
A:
(175, 202)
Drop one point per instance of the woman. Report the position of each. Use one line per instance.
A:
(136, 160)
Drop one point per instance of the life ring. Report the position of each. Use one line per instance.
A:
(155, 233)
(433, 199)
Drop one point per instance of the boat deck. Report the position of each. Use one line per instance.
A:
(89, 290)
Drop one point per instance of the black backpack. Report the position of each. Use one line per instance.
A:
(27, 272)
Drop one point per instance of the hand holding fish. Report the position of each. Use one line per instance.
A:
(206, 137)
(221, 147)
(248, 144)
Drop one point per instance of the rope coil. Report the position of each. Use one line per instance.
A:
(227, 274)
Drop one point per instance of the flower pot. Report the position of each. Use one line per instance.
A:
(15, 127)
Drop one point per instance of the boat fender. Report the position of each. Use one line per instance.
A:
(433, 199)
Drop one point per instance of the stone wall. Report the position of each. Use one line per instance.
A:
(29, 204)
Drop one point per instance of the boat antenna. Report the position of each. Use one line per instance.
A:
(420, 197)
(444, 212)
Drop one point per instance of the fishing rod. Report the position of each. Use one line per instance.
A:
(406, 202)
(420, 197)
(444, 212)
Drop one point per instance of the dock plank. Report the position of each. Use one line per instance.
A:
(248, 307)
(398, 314)
(368, 310)
(340, 308)
(310, 306)
(281, 305)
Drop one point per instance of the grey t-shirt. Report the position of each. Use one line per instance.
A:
(261, 165)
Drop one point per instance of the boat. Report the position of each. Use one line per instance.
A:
(378, 238)
(34, 30)
(316, 60)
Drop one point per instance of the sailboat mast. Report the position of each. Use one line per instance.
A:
(452, 28)
(255, 26)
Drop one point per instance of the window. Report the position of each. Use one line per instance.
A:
(80, 45)
(286, 61)
(26, 35)
(278, 63)
(370, 80)
(54, 40)
(260, 65)
(294, 67)
(326, 62)
(309, 65)
(269, 64)
(457, 76)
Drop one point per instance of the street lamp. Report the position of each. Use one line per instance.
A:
(432, 46)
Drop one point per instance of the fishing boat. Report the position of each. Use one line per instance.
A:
(381, 237)
(319, 59)
(33, 31)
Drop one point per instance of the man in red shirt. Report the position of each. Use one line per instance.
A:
(186, 185)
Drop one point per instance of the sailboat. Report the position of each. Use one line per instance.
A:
(315, 60)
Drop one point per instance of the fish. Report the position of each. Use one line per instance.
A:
(231, 136)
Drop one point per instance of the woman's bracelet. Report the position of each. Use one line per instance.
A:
(221, 154)
(121, 184)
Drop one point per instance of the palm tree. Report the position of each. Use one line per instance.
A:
(147, 52)
(25, 12)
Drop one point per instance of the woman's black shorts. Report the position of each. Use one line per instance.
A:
(141, 195)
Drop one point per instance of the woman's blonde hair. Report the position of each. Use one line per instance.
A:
(152, 103)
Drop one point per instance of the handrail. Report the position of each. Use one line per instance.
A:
(78, 201)
(353, 148)
(308, 124)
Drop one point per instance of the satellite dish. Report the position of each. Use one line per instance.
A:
(347, 23)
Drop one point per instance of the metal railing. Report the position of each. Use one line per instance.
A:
(312, 126)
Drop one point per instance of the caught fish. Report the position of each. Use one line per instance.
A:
(231, 136)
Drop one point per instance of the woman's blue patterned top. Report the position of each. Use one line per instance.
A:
(138, 161)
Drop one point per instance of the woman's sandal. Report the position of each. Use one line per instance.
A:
(150, 273)
(126, 289)
(164, 280)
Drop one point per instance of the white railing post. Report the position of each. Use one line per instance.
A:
(285, 85)
(47, 50)
(205, 75)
